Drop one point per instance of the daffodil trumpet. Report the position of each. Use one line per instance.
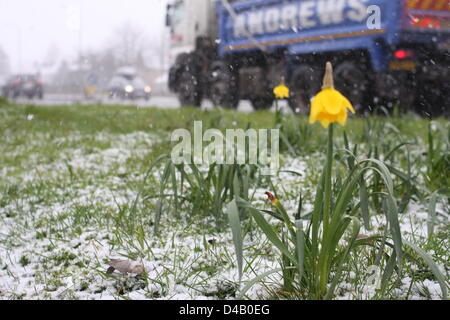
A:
(329, 105)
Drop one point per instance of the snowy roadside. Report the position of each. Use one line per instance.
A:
(59, 219)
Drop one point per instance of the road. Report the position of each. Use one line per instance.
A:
(159, 101)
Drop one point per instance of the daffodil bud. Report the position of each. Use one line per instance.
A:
(328, 81)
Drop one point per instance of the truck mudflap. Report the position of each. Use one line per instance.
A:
(223, 85)
(172, 79)
(184, 79)
(176, 70)
(185, 62)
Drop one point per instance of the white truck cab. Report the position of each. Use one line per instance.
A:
(189, 20)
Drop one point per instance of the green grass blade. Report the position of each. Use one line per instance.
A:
(300, 248)
(432, 265)
(164, 182)
(354, 235)
(235, 223)
(431, 215)
(255, 280)
(271, 234)
(364, 202)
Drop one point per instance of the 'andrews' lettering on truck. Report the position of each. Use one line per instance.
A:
(299, 15)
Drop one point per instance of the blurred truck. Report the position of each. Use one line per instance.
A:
(384, 51)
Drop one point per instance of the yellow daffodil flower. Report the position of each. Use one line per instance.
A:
(281, 91)
(329, 105)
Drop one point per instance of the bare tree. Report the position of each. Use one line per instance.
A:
(51, 56)
(132, 45)
(127, 43)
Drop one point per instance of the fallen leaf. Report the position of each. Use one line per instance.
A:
(125, 266)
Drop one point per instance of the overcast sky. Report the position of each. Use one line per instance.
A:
(28, 28)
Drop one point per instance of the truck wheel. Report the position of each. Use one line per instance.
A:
(222, 95)
(446, 102)
(304, 84)
(352, 82)
(394, 88)
(432, 100)
(223, 90)
(189, 90)
(262, 103)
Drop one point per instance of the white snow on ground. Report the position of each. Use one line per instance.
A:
(47, 251)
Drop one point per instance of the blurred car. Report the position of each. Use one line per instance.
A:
(127, 84)
(24, 85)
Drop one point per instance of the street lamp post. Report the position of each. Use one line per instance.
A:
(74, 23)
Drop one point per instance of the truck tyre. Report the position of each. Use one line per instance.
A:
(353, 83)
(224, 88)
(188, 90)
(262, 103)
(433, 99)
(304, 84)
(394, 88)
(177, 69)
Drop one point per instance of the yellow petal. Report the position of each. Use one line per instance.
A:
(281, 92)
(325, 119)
(332, 101)
(325, 123)
(315, 109)
(348, 105)
(342, 118)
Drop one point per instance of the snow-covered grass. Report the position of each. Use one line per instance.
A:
(69, 178)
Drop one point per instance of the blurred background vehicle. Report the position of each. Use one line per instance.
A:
(24, 85)
(126, 84)
(90, 88)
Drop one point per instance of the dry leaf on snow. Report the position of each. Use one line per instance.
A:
(125, 266)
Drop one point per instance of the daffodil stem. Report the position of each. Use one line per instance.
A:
(322, 265)
(327, 191)
(277, 113)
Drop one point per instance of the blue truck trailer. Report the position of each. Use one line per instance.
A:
(384, 51)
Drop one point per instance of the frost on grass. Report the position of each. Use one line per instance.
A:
(63, 216)
(66, 211)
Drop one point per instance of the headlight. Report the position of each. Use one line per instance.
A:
(129, 89)
(147, 89)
